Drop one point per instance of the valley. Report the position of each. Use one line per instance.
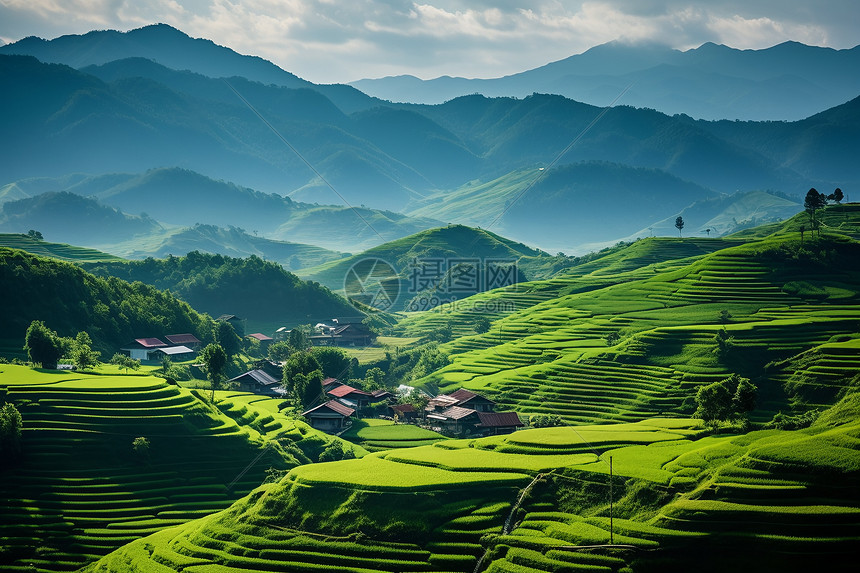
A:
(499, 330)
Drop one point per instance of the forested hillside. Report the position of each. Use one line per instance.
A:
(69, 299)
(256, 290)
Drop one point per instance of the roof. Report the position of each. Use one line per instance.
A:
(403, 408)
(259, 376)
(260, 336)
(381, 392)
(499, 419)
(226, 317)
(345, 390)
(457, 413)
(182, 339)
(462, 395)
(334, 406)
(150, 342)
(442, 400)
(173, 350)
(348, 319)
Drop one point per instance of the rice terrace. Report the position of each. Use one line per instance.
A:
(370, 361)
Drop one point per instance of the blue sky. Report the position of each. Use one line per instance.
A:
(330, 41)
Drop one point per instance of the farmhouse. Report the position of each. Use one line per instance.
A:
(186, 339)
(264, 340)
(143, 348)
(344, 331)
(351, 396)
(258, 382)
(173, 352)
(455, 419)
(330, 416)
(406, 412)
(493, 423)
(467, 399)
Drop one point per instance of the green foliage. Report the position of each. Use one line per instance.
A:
(82, 354)
(782, 421)
(125, 362)
(374, 379)
(252, 288)
(299, 337)
(299, 363)
(112, 311)
(334, 362)
(36, 235)
(546, 421)
(679, 224)
(482, 325)
(141, 446)
(11, 425)
(280, 351)
(335, 452)
(42, 345)
(308, 387)
(725, 400)
(226, 336)
(215, 361)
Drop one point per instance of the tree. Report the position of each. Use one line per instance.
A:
(226, 337)
(42, 344)
(802, 231)
(125, 362)
(374, 379)
(725, 400)
(482, 325)
(299, 363)
(215, 360)
(725, 343)
(708, 231)
(679, 224)
(546, 421)
(333, 361)
(724, 317)
(308, 387)
(140, 447)
(11, 425)
(280, 351)
(33, 234)
(811, 204)
(299, 337)
(82, 354)
(836, 196)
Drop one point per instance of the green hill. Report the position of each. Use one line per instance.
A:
(60, 251)
(440, 249)
(69, 299)
(80, 490)
(258, 291)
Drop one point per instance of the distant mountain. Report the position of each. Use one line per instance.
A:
(591, 201)
(425, 261)
(788, 81)
(198, 204)
(68, 218)
(174, 49)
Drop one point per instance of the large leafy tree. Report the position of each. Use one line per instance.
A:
(82, 354)
(727, 399)
(42, 344)
(226, 336)
(334, 362)
(811, 204)
(11, 424)
(215, 360)
(679, 224)
(299, 363)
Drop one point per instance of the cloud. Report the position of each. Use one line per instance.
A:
(336, 40)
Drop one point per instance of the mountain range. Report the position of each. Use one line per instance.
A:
(167, 117)
(789, 81)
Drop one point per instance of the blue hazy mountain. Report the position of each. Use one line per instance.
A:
(788, 81)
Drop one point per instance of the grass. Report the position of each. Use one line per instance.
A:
(60, 251)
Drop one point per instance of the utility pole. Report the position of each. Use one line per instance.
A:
(611, 538)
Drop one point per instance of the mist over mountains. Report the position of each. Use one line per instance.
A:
(789, 81)
(157, 123)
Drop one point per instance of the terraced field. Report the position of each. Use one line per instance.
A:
(81, 491)
(376, 435)
(60, 251)
(538, 501)
(622, 342)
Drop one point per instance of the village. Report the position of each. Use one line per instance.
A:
(459, 413)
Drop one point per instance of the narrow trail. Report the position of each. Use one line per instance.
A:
(507, 527)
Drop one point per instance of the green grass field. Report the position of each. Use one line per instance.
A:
(60, 251)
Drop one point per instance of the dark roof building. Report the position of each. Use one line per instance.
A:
(186, 339)
(403, 411)
(354, 396)
(469, 399)
(499, 422)
(330, 416)
(258, 382)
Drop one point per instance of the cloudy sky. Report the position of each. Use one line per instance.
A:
(330, 41)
